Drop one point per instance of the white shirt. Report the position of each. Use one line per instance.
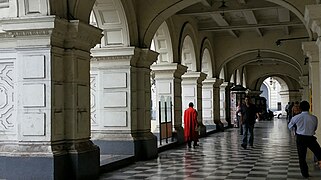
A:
(306, 123)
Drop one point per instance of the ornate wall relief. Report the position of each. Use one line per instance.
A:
(6, 97)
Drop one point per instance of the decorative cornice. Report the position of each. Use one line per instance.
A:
(108, 58)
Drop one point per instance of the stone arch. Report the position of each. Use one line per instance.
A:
(287, 81)
(222, 74)
(232, 78)
(208, 63)
(111, 18)
(237, 77)
(244, 78)
(163, 44)
(188, 54)
(295, 11)
(249, 56)
(188, 47)
(177, 6)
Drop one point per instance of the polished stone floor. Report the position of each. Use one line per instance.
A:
(220, 156)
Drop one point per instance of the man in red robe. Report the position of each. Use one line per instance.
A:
(190, 125)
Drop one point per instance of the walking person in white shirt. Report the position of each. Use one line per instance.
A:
(306, 125)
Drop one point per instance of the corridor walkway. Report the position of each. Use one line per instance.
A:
(220, 156)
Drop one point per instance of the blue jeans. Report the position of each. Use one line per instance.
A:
(248, 128)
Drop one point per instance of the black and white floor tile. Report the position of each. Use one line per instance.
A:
(220, 156)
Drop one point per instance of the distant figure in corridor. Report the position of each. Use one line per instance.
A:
(296, 109)
(190, 125)
(306, 125)
(249, 113)
(238, 117)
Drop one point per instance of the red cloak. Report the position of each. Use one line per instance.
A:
(190, 123)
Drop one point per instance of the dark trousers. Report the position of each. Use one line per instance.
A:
(303, 143)
(189, 143)
(248, 128)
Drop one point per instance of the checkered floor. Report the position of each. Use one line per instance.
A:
(220, 156)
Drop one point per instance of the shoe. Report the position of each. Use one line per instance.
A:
(306, 176)
(243, 146)
(196, 145)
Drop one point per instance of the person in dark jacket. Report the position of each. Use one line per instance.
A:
(249, 113)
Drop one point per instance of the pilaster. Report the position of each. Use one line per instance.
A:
(121, 119)
(192, 92)
(169, 84)
(312, 51)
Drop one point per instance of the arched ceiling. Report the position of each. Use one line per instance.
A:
(287, 83)
(240, 27)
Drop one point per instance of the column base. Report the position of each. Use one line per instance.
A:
(145, 146)
(85, 165)
(80, 161)
(202, 131)
(116, 147)
(179, 135)
(17, 167)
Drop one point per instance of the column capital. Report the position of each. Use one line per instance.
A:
(166, 70)
(124, 56)
(193, 76)
(213, 81)
(50, 30)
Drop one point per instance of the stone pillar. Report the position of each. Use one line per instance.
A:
(223, 104)
(312, 51)
(217, 101)
(46, 129)
(227, 101)
(169, 83)
(312, 17)
(210, 101)
(192, 92)
(121, 91)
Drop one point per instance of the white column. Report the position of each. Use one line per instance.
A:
(46, 88)
(210, 101)
(223, 101)
(312, 17)
(121, 118)
(192, 92)
(169, 84)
